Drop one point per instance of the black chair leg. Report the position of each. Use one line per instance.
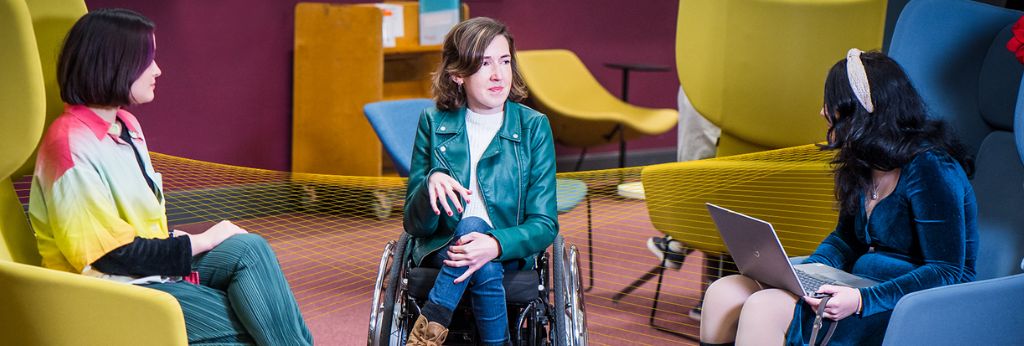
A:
(654, 309)
(579, 162)
(715, 268)
(657, 291)
(657, 270)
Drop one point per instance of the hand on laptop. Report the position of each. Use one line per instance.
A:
(845, 301)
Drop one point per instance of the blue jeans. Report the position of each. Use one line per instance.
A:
(487, 294)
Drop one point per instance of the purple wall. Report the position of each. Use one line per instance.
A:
(602, 31)
(225, 94)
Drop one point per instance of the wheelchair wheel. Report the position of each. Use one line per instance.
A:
(570, 315)
(386, 309)
(560, 336)
(577, 309)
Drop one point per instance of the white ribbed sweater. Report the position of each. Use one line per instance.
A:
(480, 128)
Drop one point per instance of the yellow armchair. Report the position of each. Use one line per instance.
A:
(42, 306)
(756, 68)
(791, 187)
(51, 20)
(22, 95)
(49, 307)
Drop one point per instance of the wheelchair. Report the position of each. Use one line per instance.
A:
(545, 303)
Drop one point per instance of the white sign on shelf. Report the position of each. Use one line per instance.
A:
(393, 25)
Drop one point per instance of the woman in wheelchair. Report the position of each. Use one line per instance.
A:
(481, 193)
(907, 217)
(97, 205)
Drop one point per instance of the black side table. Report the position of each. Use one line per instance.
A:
(626, 67)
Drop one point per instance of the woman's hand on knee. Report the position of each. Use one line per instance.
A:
(472, 250)
(213, 236)
(845, 301)
(443, 187)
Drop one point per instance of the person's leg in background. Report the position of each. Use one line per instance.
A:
(246, 269)
(697, 137)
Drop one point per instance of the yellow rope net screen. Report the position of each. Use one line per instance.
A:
(329, 231)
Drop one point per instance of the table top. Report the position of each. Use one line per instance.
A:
(634, 190)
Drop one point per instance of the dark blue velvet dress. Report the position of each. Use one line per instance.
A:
(923, 235)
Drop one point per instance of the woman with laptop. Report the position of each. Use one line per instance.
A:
(906, 217)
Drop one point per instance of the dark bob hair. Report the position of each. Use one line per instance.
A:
(886, 139)
(103, 54)
(462, 55)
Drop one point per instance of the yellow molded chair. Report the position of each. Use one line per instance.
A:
(49, 307)
(42, 306)
(51, 20)
(581, 111)
(21, 123)
(756, 68)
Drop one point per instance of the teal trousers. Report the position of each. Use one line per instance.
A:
(242, 298)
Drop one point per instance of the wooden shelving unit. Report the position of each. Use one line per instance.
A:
(340, 65)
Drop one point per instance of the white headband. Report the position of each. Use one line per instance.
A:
(859, 79)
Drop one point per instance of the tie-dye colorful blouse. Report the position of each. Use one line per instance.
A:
(89, 196)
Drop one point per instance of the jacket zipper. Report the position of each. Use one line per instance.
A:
(519, 195)
(444, 163)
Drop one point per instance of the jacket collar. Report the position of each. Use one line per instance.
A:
(511, 127)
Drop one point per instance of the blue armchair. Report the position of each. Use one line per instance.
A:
(395, 123)
(984, 312)
(954, 52)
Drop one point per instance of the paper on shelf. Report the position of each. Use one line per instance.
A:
(393, 25)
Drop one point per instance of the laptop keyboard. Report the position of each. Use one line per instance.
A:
(809, 283)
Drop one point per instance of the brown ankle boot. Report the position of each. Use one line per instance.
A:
(426, 333)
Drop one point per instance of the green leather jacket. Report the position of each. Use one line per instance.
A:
(515, 175)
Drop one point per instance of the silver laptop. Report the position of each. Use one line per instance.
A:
(758, 253)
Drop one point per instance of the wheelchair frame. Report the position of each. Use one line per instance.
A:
(394, 310)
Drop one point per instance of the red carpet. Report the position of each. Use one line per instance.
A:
(331, 262)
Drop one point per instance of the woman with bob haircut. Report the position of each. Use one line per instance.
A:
(907, 217)
(97, 205)
(481, 194)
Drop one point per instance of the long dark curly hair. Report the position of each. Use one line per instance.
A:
(886, 139)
